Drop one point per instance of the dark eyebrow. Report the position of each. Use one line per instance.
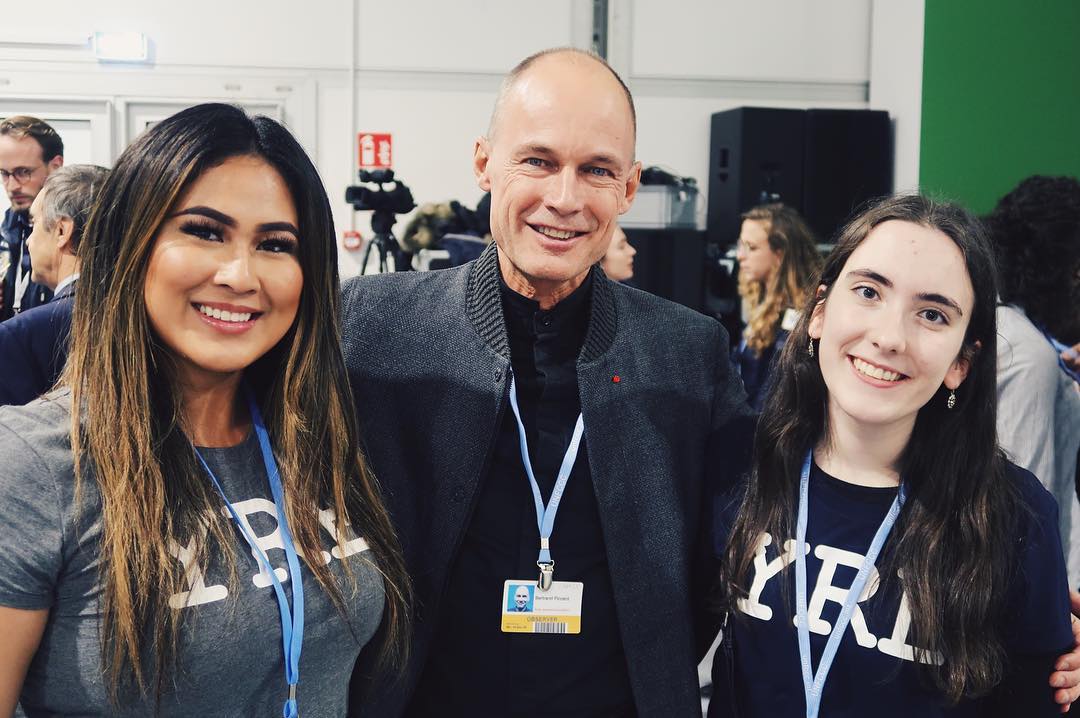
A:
(208, 213)
(278, 227)
(228, 221)
(872, 276)
(923, 296)
(940, 299)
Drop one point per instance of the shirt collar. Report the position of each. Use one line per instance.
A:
(65, 282)
(569, 315)
(484, 308)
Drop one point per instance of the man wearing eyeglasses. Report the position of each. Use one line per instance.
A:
(30, 150)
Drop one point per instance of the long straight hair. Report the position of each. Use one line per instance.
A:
(953, 542)
(128, 425)
(791, 286)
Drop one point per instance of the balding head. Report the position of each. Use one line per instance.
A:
(559, 163)
(572, 58)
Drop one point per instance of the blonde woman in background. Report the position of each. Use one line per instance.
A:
(778, 260)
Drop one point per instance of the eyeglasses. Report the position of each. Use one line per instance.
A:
(21, 174)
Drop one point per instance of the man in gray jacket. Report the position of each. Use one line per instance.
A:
(524, 385)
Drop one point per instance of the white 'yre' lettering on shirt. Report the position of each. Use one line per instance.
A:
(825, 591)
(199, 593)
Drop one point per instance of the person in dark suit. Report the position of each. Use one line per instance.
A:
(435, 360)
(30, 150)
(33, 343)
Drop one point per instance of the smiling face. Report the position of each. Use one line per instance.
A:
(521, 598)
(758, 261)
(560, 168)
(223, 283)
(892, 327)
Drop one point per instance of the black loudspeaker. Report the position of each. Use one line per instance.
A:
(824, 163)
(670, 263)
(755, 156)
(847, 160)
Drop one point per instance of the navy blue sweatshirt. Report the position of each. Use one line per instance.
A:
(875, 671)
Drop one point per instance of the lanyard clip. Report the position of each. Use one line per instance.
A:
(547, 574)
(290, 710)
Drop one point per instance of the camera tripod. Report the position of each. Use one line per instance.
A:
(382, 221)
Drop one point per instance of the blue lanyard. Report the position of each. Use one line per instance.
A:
(813, 685)
(292, 621)
(545, 516)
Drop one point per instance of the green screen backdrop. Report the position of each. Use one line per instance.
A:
(1000, 97)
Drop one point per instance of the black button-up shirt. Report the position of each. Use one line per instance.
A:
(474, 668)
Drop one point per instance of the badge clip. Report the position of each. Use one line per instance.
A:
(547, 574)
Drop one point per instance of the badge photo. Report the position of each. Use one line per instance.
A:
(520, 598)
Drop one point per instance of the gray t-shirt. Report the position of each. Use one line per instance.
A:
(230, 654)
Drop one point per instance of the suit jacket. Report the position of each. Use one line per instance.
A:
(428, 361)
(33, 349)
(13, 233)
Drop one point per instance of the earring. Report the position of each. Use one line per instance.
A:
(810, 349)
(952, 399)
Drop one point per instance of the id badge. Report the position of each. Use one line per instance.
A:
(527, 609)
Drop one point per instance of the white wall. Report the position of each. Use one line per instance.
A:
(427, 70)
(820, 41)
(896, 69)
(686, 59)
(199, 33)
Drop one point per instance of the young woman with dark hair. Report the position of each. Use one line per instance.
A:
(190, 510)
(778, 260)
(884, 558)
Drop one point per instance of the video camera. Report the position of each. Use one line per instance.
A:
(386, 204)
(398, 200)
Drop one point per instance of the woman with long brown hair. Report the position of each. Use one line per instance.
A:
(778, 259)
(883, 557)
(190, 511)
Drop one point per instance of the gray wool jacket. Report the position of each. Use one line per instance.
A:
(428, 361)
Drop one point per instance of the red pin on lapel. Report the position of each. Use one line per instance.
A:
(616, 379)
